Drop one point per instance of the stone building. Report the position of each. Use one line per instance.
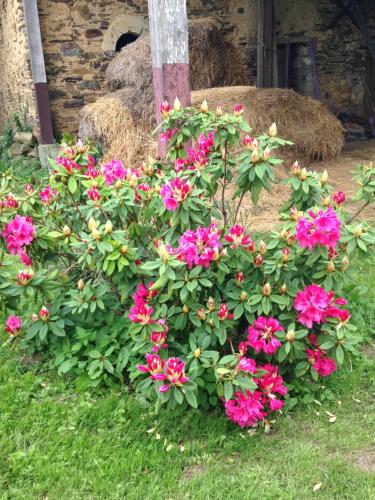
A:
(315, 50)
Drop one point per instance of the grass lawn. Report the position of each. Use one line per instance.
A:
(57, 443)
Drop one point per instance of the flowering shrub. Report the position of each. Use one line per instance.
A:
(144, 274)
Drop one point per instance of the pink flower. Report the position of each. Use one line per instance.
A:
(322, 228)
(13, 325)
(143, 293)
(174, 193)
(339, 198)
(18, 233)
(261, 335)
(154, 367)
(323, 365)
(174, 374)
(167, 135)
(238, 237)
(113, 171)
(179, 165)
(247, 365)
(242, 348)
(25, 259)
(48, 195)
(68, 164)
(93, 194)
(23, 277)
(199, 247)
(206, 143)
(10, 201)
(165, 109)
(250, 142)
(141, 313)
(197, 160)
(159, 338)
(245, 409)
(238, 109)
(271, 384)
(315, 305)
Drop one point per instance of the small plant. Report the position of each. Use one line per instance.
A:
(145, 274)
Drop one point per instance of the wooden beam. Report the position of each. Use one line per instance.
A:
(38, 71)
(265, 45)
(170, 53)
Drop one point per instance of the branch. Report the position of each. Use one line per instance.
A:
(357, 212)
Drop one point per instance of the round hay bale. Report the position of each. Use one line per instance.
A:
(316, 133)
(213, 62)
(109, 121)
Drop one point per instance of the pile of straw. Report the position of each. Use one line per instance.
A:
(123, 125)
(213, 62)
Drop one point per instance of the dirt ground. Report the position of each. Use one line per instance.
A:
(264, 216)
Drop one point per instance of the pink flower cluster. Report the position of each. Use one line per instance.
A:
(141, 312)
(261, 335)
(94, 194)
(17, 234)
(198, 156)
(91, 171)
(172, 371)
(159, 339)
(320, 228)
(175, 192)
(48, 195)
(69, 164)
(199, 247)
(323, 365)
(9, 202)
(238, 237)
(223, 312)
(247, 409)
(13, 325)
(314, 305)
(113, 172)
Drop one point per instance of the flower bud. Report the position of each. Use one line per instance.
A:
(66, 231)
(204, 106)
(303, 175)
(197, 353)
(339, 198)
(262, 248)
(244, 296)
(43, 313)
(163, 252)
(240, 277)
(219, 111)
(285, 255)
(258, 260)
(185, 309)
(284, 234)
(345, 263)
(177, 104)
(108, 228)
(211, 323)
(266, 154)
(255, 155)
(331, 267)
(357, 231)
(201, 313)
(283, 289)
(124, 249)
(95, 234)
(324, 178)
(296, 170)
(326, 201)
(118, 184)
(81, 284)
(267, 289)
(34, 317)
(92, 223)
(290, 336)
(273, 130)
(210, 304)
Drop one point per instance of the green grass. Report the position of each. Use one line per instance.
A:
(58, 443)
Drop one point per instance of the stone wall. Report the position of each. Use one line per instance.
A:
(341, 54)
(79, 38)
(16, 88)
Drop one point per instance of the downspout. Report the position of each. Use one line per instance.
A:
(38, 71)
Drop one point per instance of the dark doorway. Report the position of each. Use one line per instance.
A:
(125, 39)
(294, 67)
(369, 91)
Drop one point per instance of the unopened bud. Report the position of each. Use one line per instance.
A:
(95, 234)
(108, 228)
(244, 296)
(273, 130)
(185, 309)
(204, 106)
(81, 284)
(177, 104)
(118, 184)
(331, 267)
(255, 155)
(211, 323)
(163, 252)
(266, 154)
(92, 223)
(262, 248)
(34, 317)
(303, 174)
(240, 277)
(283, 288)
(43, 313)
(66, 231)
(326, 201)
(358, 230)
(202, 314)
(267, 289)
(345, 263)
(284, 234)
(290, 336)
(124, 249)
(324, 178)
(210, 304)
(219, 111)
(296, 169)
(197, 353)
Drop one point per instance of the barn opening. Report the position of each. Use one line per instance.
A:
(125, 39)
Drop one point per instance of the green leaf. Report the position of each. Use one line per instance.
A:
(160, 282)
(72, 184)
(228, 390)
(238, 312)
(55, 234)
(191, 398)
(340, 354)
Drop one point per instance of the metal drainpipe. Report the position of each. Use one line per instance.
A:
(38, 71)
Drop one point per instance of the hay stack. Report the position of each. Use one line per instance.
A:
(316, 133)
(123, 124)
(213, 62)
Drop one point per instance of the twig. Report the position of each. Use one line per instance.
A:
(358, 212)
(224, 185)
(238, 207)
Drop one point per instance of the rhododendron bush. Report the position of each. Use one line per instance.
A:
(151, 274)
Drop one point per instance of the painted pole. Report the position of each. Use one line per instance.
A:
(170, 54)
(38, 71)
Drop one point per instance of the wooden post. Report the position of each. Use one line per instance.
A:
(170, 54)
(38, 71)
(266, 45)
